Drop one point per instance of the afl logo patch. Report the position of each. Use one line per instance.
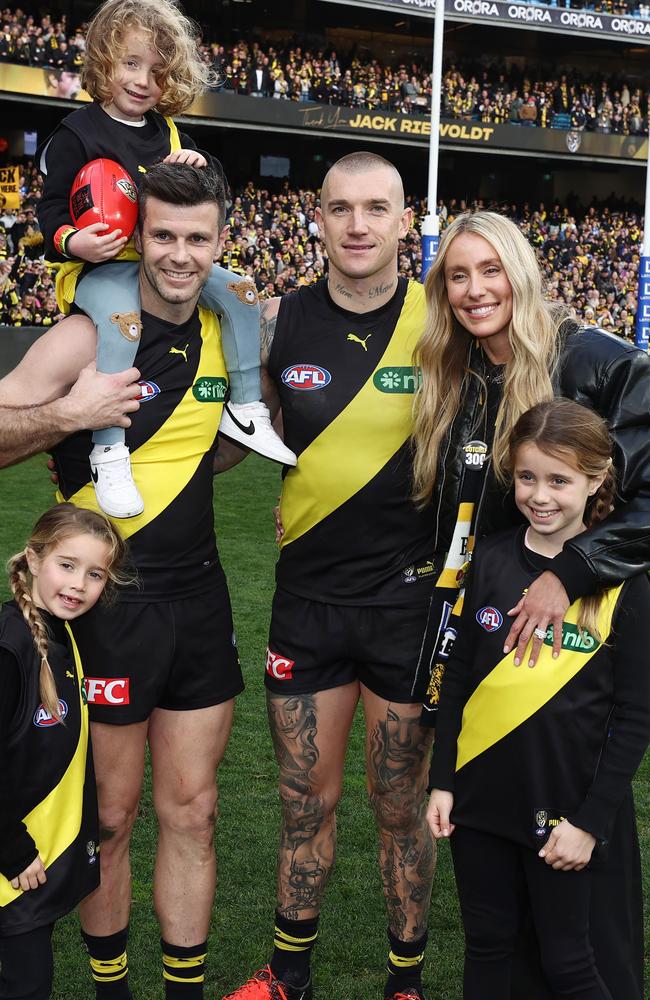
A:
(44, 720)
(306, 377)
(489, 618)
(148, 390)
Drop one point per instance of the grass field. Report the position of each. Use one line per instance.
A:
(352, 945)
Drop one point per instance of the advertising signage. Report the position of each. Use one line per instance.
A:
(333, 120)
(522, 15)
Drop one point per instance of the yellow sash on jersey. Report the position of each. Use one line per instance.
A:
(169, 463)
(350, 452)
(55, 822)
(510, 695)
(67, 272)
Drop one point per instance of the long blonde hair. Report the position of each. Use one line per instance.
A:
(444, 349)
(578, 436)
(53, 527)
(185, 75)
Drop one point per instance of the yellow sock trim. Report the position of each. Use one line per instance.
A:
(109, 970)
(404, 963)
(183, 963)
(284, 941)
(182, 979)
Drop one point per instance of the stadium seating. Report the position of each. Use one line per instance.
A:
(590, 258)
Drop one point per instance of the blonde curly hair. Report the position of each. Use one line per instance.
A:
(176, 39)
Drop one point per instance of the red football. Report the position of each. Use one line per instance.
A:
(104, 192)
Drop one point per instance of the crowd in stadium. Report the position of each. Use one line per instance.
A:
(590, 257)
(488, 93)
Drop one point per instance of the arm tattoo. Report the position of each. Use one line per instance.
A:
(267, 331)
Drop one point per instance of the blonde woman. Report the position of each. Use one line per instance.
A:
(491, 350)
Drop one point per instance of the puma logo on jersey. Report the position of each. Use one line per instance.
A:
(179, 350)
(357, 340)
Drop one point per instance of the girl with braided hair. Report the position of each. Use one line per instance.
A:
(530, 766)
(48, 810)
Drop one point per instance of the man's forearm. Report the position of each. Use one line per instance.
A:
(29, 430)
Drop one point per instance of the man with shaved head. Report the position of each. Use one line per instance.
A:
(354, 577)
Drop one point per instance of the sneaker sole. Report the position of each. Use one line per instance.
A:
(122, 515)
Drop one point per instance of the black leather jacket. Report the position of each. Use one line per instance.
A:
(612, 377)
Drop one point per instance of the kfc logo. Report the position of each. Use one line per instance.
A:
(107, 690)
(280, 667)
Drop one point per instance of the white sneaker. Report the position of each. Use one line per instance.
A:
(250, 424)
(116, 492)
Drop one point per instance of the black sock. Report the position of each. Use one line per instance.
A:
(405, 963)
(109, 965)
(293, 944)
(183, 970)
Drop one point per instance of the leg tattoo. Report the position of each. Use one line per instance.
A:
(308, 830)
(398, 756)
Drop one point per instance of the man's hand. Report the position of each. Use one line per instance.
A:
(545, 603)
(279, 527)
(438, 812)
(98, 400)
(33, 876)
(95, 245)
(568, 848)
(190, 156)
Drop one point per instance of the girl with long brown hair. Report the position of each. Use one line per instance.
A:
(530, 767)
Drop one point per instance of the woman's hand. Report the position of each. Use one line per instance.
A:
(191, 157)
(440, 806)
(545, 603)
(568, 848)
(33, 876)
(94, 244)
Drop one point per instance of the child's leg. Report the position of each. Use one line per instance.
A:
(235, 299)
(245, 418)
(110, 295)
(491, 892)
(560, 903)
(26, 965)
